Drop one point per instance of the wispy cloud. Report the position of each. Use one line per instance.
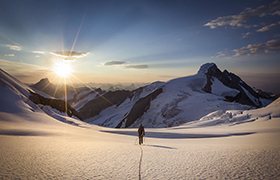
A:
(273, 44)
(240, 19)
(124, 65)
(268, 47)
(144, 66)
(244, 35)
(69, 55)
(13, 47)
(113, 63)
(38, 52)
(276, 13)
(220, 54)
(10, 55)
(268, 27)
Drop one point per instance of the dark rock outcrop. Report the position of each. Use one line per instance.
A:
(232, 81)
(57, 91)
(266, 95)
(58, 104)
(78, 97)
(95, 106)
(139, 108)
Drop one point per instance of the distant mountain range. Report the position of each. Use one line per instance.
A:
(58, 91)
(161, 104)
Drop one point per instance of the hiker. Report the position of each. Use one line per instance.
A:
(141, 133)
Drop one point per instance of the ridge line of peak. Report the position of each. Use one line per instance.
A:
(204, 68)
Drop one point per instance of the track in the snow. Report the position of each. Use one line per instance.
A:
(140, 161)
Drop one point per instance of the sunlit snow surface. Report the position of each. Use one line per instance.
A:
(221, 145)
(181, 101)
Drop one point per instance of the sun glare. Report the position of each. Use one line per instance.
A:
(62, 69)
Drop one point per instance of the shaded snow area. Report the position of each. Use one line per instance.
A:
(184, 101)
(111, 116)
(228, 144)
(181, 101)
(221, 90)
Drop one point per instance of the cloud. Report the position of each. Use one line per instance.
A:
(242, 51)
(273, 44)
(276, 13)
(121, 64)
(268, 51)
(69, 55)
(246, 34)
(113, 63)
(10, 55)
(240, 19)
(136, 66)
(13, 47)
(268, 47)
(268, 27)
(220, 54)
(38, 52)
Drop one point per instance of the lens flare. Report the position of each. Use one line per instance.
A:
(62, 69)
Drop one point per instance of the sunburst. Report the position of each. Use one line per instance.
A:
(62, 69)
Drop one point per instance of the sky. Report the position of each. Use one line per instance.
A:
(140, 41)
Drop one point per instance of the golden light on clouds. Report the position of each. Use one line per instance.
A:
(69, 55)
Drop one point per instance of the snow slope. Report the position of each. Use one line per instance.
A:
(37, 146)
(181, 100)
(162, 104)
(181, 97)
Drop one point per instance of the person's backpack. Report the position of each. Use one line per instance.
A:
(141, 130)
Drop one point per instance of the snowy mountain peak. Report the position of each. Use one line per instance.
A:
(204, 68)
(180, 100)
(160, 104)
(44, 81)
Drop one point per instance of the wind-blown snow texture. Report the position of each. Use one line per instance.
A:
(221, 145)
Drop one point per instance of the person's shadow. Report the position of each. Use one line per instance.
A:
(159, 146)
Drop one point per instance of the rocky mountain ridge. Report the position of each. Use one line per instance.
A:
(164, 104)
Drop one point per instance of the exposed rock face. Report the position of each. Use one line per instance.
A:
(58, 91)
(139, 108)
(95, 106)
(78, 97)
(179, 100)
(232, 81)
(45, 86)
(266, 95)
(54, 103)
(162, 104)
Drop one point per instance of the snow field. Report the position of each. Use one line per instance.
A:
(221, 145)
(88, 152)
(66, 158)
(211, 161)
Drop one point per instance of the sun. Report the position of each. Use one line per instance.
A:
(62, 69)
